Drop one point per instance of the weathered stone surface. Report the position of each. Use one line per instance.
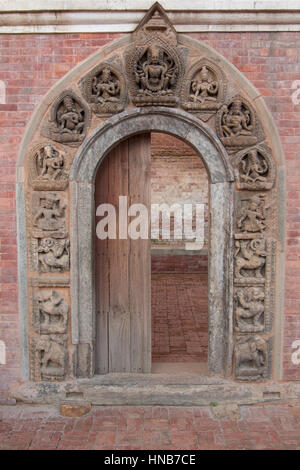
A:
(74, 410)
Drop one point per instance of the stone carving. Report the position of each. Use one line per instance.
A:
(104, 87)
(49, 168)
(236, 124)
(156, 74)
(255, 169)
(69, 119)
(203, 89)
(51, 255)
(153, 65)
(50, 357)
(252, 218)
(155, 26)
(251, 358)
(50, 312)
(48, 215)
(250, 259)
(249, 310)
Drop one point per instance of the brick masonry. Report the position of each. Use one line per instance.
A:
(31, 64)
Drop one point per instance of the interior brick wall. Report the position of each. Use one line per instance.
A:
(31, 64)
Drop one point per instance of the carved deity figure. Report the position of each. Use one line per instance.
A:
(253, 168)
(52, 357)
(250, 356)
(253, 217)
(250, 309)
(49, 215)
(204, 87)
(106, 87)
(250, 257)
(53, 255)
(70, 118)
(155, 72)
(53, 312)
(236, 120)
(51, 163)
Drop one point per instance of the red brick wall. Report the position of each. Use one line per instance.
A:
(31, 64)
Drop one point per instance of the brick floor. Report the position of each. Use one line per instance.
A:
(269, 426)
(179, 317)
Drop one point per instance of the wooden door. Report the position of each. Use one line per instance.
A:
(123, 276)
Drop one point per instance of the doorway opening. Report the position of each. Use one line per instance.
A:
(179, 268)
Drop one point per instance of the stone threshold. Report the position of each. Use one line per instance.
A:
(155, 389)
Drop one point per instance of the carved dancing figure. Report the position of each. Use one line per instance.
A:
(205, 88)
(51, 163)
(54, 254)
(253, 217)
(105, 88)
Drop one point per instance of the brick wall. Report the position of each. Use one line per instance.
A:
(31, 64)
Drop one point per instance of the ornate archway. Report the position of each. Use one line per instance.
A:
(152, 80)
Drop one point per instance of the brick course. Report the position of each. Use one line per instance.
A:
(31, 64)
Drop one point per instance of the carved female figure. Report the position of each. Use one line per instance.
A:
(204, 88)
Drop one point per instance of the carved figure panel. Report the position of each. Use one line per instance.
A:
(237, 124)
(69, 119)
(251, 358)
(250, 260)
(50, 312)
(154, 71)
(50, 254)
(48, 220)
(49, 168)
(251, 217)
(255, 169)
(49, 357)
(249, 309)
(105, 88)
(203, 89)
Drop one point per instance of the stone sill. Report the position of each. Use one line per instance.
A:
(155, 389)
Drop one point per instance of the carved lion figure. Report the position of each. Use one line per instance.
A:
(53, 356)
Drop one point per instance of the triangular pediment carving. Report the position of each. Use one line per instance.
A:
(155, 24)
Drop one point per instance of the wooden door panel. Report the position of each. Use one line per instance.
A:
(123, 265)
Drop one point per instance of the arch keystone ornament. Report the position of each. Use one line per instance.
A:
(152, 80)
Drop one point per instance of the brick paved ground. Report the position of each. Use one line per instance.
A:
(272, 426)
(179, 317)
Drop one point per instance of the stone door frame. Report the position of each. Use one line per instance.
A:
(220, 279)
(108, 131)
